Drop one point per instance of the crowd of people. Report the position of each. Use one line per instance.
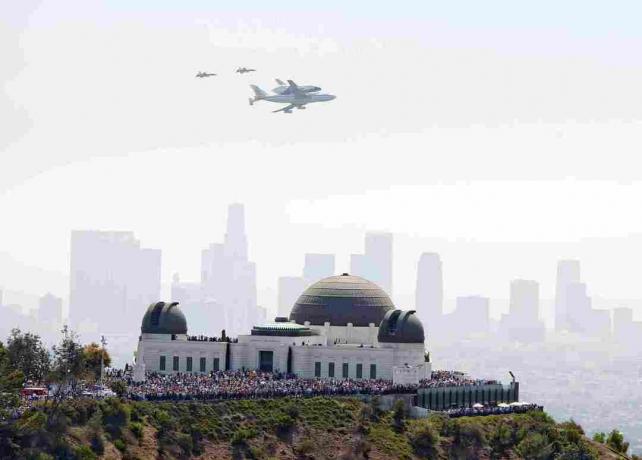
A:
(251, 384)
(452, 379)
(492, 410)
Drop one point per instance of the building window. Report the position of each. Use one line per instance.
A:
(373, 371)
(202, 367)
(345, 371)
(317, 369)
(330, 369)
(162, 363)
(175, 364)
(188, 366)
(216, 365)
(359, 370)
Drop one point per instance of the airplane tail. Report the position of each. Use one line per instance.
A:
(258, 94)
(279, 82)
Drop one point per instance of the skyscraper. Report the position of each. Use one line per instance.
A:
(375, 264)
(522, 322)
(568, 272)
(471, 315)
(290, 288)
(429, 292)
(524, 300)
(50, 310)
(112, 280)
(318, 266)
(228, 278)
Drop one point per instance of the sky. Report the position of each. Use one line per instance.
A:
(504, 135)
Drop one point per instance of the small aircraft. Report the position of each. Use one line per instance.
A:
(284, 88)
(244, 70)
(205, 74)
(295, 99)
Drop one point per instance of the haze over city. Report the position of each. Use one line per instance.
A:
(480, 164)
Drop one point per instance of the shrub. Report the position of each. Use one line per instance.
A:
(84, 453)
(137, 429)
(116, 416)
(97, 444)
(305, 447)
(534, 446)
(424, 439)
(120, 445)
(616, 442)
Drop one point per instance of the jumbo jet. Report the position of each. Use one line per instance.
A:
(284, 88)
(205, 74)
(295, 99)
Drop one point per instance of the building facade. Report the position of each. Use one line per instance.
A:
(339, 327)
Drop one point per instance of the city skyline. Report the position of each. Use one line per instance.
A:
(239, 244)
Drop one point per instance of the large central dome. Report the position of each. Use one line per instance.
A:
(340, 300)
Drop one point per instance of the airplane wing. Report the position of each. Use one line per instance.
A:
(295, 89)
(287, 108)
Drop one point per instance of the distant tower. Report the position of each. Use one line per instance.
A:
(50, 310)
(472, 314)
(228, 278)
(578, 307)
(429, 293)
(376, 262)
(524, 300)
(112, 279)
(317, 267)
(568, 272)
(235, 239)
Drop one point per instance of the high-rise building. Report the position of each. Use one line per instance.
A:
(522, 322)
(429, 292)
(112, 280)
(228, 277)
(290, 288)
(568, 272)
(50, 310)
(375, 264)
(471, 315)
(622, 323)
(578, 306)
(524, 300)
(317, 267)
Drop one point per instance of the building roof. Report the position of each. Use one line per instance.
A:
(340, 300)
(164, 318)
(400, 326)
(282, 328)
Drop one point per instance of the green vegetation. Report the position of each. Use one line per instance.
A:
(343, 428)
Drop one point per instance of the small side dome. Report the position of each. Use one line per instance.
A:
(164, 318)
(400, 326)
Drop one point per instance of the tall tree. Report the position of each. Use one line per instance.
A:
(27, 354)
(11, 381)
(68, 365)
(92, 354)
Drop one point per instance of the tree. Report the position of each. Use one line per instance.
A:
(91, 355)
(11, 381)
(68, 365)
(616, 442)
(27, 354)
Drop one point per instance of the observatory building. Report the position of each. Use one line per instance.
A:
(340, 327)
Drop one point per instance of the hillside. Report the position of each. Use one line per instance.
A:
(315, 428)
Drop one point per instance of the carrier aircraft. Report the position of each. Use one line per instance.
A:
(295, 97)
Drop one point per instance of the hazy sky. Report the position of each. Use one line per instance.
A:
(498, 133)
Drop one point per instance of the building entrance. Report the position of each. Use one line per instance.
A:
(266, 361)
